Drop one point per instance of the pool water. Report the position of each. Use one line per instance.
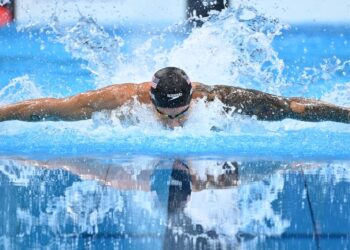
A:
(173, 203)
(132, 184)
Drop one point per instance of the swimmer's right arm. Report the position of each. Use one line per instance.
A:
(78, 107)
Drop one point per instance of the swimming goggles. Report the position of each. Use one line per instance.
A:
(182, 113)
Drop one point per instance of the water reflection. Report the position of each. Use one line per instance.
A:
(148, 203)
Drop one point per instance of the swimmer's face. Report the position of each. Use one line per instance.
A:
(173, 117)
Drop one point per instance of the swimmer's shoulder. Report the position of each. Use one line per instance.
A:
(209, 92)
(201, 90)
(132, 90)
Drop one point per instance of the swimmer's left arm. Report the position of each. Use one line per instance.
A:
(270, 107)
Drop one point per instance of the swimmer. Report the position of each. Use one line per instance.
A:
(170, 94)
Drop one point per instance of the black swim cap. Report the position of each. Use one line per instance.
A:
(171, 88)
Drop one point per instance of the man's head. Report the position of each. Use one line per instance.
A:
(171, 89)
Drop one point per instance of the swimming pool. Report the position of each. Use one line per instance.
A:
(281, 165)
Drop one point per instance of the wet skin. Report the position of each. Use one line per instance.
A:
(249, 102)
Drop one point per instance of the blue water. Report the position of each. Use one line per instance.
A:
(106, 183)
(57, 64)
(126, 203)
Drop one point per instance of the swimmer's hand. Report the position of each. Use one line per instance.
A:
(78, 107)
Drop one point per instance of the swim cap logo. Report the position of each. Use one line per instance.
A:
(174, 96)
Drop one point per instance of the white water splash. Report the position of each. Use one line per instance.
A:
(19, 89)
(227, 49)
(340, 94)
(205, 119)
(231, 51)
(88, 41)
(327, 70)
(233, 47)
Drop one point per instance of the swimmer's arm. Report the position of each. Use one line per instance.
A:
(269, 107)
(255, 103)
(78, 107)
